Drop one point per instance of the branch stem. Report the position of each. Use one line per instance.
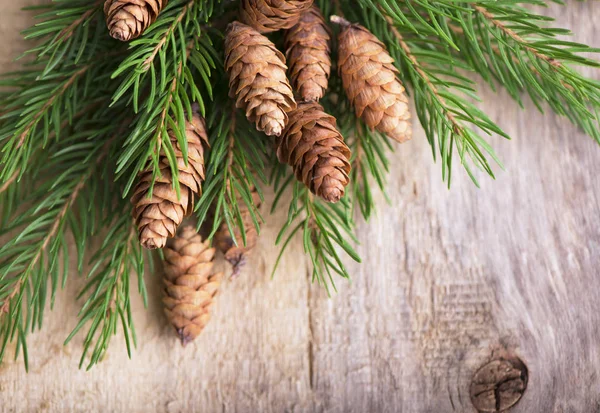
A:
(511, 33)
(419, 69)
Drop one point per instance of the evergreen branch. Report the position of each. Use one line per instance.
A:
(531, 59)
(441, 111)
(511, 33)
(108, 301)
(29, 259)
(325, 229)
(167, 35)
(235, 167)
(48, 104)
(65, 34)
(167, 102)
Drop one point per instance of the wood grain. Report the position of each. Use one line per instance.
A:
(450, 278)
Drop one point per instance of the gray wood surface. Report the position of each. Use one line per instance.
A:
(450, 278)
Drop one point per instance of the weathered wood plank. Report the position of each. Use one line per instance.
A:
(449, 277)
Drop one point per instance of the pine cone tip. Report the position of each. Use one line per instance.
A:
(153, 242)
(185, 338)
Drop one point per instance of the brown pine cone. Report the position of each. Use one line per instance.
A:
(370, 81)
(257, 78)
(313, 146)
(272, 15)
(308, 54)
(128, 19)
(236, 254)
(191, 283)
(159, 216)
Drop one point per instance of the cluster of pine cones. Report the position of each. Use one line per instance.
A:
(288, 109)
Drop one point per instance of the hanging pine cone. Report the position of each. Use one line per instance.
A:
(159, 216)
(128, 19)
(370, 81)
(313, 146)
(236, 254)
(257, 78)
(191, 283)
(272, 15)
(308, 55)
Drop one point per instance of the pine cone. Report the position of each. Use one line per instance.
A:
(312, 145)
(236, 254)
(308, 54)
(159, 216)
(370, 81)
(128, 19)
(191, 284)
(272, 15)
(257, 78)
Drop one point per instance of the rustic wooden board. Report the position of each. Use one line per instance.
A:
(450, 277)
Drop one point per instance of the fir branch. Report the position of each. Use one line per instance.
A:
(442, 98)
(31, 258)
(235, 167)
(325, 229)
(524, 57)
(64, 34)
(164, 66)
(108, 303)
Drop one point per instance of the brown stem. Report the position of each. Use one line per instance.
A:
(417, 66)
(163, 115)
(49, 103)
(9, 181)
(511, 33)
(163, 40)
(68, 31)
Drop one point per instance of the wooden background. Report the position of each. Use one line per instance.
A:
(449, 277)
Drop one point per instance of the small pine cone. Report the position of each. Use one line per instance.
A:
(159, 216)
(370, 81)
(191, 283)
(257, 78)
(128, 19)
(308, 54)
(313, 146)
(272, 15)
(236, 254)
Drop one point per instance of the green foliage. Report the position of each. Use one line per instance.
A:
(161, 79)
(325, 228)
(235, 167)
(87, 113)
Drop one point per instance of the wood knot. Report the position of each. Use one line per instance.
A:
(498, 385)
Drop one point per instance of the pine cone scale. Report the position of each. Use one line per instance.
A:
(272, 15)
(308, 52)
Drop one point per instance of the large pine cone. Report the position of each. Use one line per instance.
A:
(257, 78)
(128, 19)
(159, 216)
(313, 146)
(191, 284)
(272, 15)
(308, 54)
(236, 254)
(370, 81)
